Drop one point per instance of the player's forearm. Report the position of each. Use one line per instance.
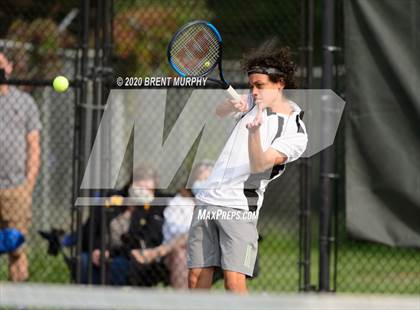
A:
(224, 109)
(257, 159)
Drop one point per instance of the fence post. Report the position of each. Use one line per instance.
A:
(306, 54)
(328, 155)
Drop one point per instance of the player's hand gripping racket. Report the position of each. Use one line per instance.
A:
(195, 50)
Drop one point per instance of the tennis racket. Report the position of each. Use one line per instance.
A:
(195, 50)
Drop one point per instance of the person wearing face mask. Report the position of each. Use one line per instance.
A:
(134, 220)
(177, 219)
(145, 231)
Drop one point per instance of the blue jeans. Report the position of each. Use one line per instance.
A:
(96, 272)
(118, 270)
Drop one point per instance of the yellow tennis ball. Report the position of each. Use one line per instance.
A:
(207, 64)
(60, 84)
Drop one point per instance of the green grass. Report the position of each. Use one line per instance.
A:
(43, 268)
(362, 267)
(374, 268)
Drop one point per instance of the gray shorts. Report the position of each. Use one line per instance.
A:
(223, 237)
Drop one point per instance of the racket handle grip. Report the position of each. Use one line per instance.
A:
(233, 93)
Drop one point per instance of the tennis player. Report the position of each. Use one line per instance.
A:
(269, 134)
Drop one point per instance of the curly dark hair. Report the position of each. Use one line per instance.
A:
(270, 56)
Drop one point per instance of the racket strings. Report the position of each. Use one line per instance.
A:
(195, 51)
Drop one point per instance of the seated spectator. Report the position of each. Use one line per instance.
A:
(130, 226)
(177, 220)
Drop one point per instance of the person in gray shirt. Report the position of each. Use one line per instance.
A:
(20, 154)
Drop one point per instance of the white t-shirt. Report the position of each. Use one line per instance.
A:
(177, 217)
(231, 183)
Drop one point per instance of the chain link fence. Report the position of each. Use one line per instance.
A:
(37, 42)
(141, 33)
(42, 42)
(368, 267)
